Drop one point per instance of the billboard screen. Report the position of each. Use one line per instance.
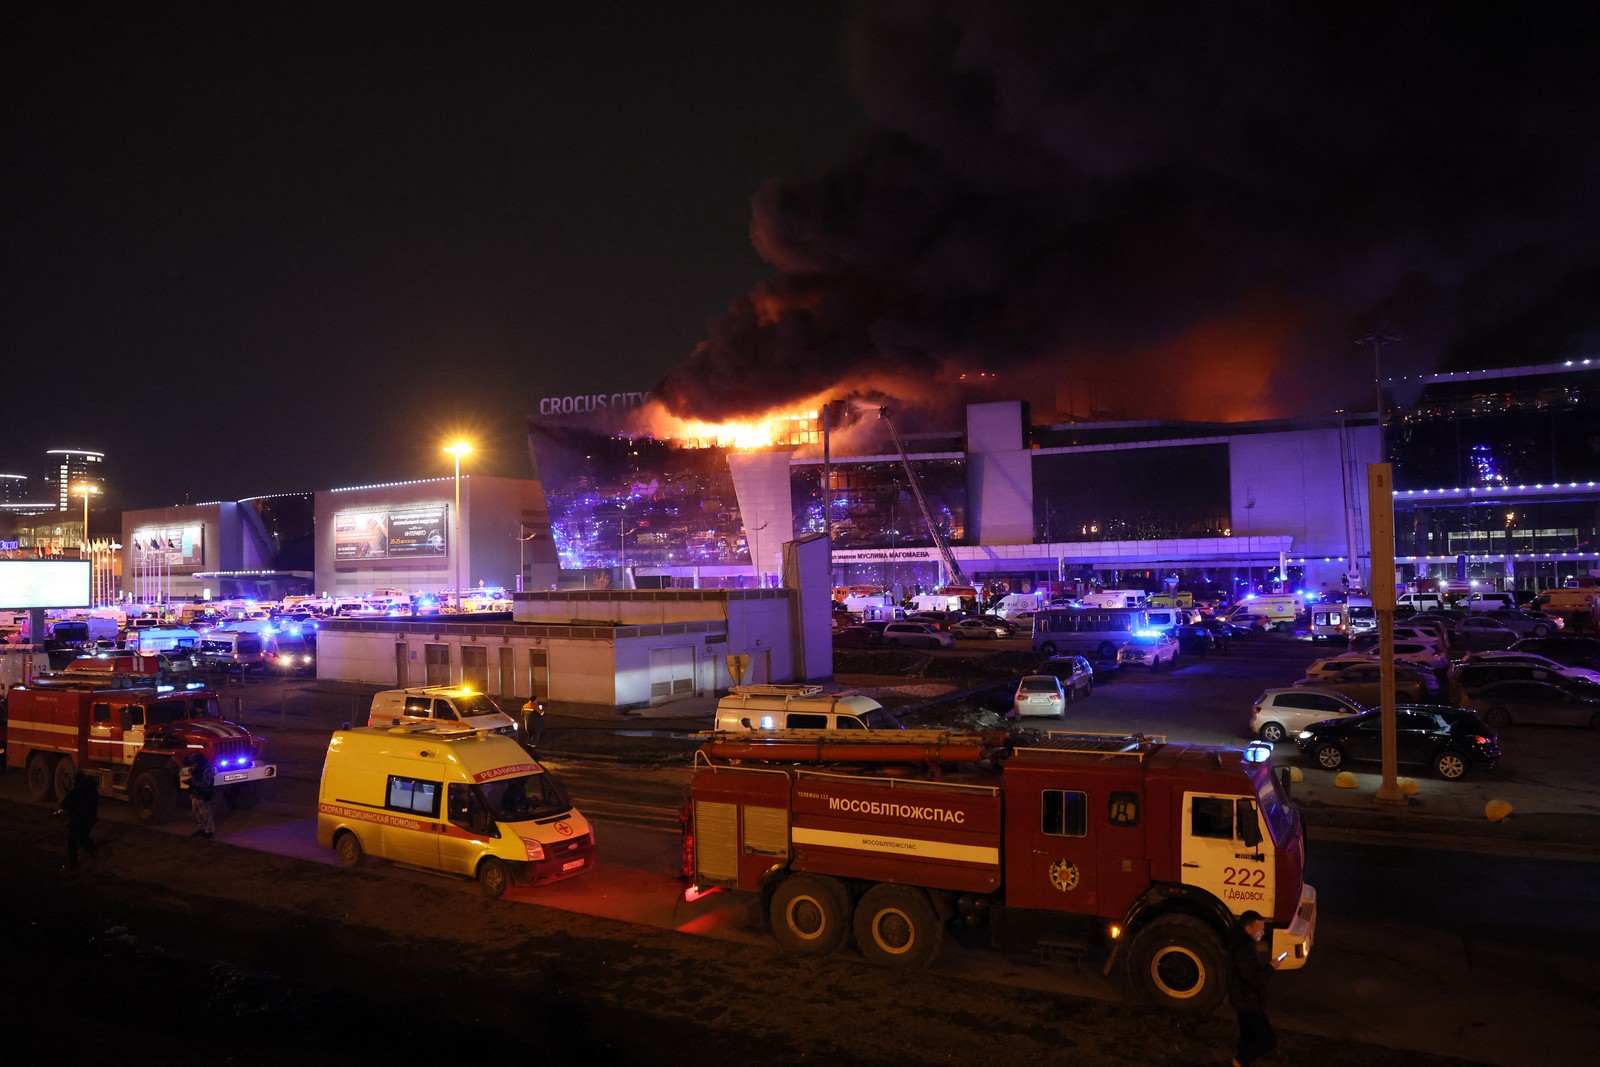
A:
(182, 546)
(390, 533)
(42, 583)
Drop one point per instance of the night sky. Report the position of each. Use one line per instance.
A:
(260, 249)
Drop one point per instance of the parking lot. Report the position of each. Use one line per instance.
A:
(1546, 773)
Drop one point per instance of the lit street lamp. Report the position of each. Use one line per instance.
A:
(459, 449)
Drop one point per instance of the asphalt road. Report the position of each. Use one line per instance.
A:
(1463, 951)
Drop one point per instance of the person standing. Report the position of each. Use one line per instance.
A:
(81, 806)
(202, 791)
(533, 722)
(1247, 989)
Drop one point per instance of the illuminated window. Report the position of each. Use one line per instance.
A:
(414, 795)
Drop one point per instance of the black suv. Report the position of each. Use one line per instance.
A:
(1446, 739)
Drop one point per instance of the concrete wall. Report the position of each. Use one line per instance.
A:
(999, 475)
(761, 482)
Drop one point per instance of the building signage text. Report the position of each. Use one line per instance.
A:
(592, 402)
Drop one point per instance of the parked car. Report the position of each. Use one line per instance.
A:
(1525, 623)
(1224, 632)
(1451, 744)
(1480, 673)
(1076, 674)
(1194, 640)
(1438, 631)
(909, 634)
(1255, 624)
(1332, 665)
(1534, 703)
(1281, 713)
(1425, 654)
(1040, 694)
(978, 629)
(939, 620)
(1570, 649)
(1480, 631)
(1155, 649)
(1364, 684)
(1533, 659)
(857, 637)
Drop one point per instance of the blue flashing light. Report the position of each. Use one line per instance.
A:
(1249, 596)
(163, 688)
(193, 685)
(1258, 752)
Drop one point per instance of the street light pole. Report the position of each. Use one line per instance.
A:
(459, 449)
(86, 490)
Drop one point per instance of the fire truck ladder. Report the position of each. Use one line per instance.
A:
(952, 568)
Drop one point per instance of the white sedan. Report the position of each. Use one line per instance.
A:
(1040, 694)
(978, 628)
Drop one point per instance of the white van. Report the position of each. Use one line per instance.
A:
(799, 707)
(442, 704)
(233, 650)
(450, 799)
(1012, 603)
(1419, 601)
(176, 639)
(1114, 598)
(1487, 602)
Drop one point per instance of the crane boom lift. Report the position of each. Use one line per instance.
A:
(952, 568)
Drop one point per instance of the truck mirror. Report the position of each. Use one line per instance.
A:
(1283, 780)
(1248, 828)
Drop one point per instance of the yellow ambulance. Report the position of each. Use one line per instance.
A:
(449, 798)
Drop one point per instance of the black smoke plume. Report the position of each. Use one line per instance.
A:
(1198, 206)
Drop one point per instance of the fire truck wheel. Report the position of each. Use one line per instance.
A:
(810, 914)
(493, 877)
(154, 798)
(348, 846)
(896, 927)
(41, 776)
(65, 770)
(1177, 962)
(244, 796)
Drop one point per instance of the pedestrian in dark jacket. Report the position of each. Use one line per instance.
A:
(81, 806)
(1247, 989)
(201, 790)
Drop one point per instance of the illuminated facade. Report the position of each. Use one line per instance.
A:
(71, 467)
(1019, 505)
(403, 535)
(1495, 475)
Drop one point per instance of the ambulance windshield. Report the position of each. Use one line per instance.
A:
(532, 796)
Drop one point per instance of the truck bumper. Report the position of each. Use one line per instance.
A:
(260, 772)
(1291, 946)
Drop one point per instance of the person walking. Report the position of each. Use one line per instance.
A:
(81, 806)
(1247, 989)
(202, 791)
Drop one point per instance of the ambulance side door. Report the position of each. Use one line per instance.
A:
(462, 839)
(412, 836)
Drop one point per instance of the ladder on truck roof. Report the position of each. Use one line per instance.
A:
(931, 748)
(1092, 744)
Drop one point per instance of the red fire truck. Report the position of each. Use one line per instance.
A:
(135, 741)
(1116, 845)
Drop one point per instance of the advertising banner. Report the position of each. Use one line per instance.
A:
(37, 583)
(183, 546)
(385, 533)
